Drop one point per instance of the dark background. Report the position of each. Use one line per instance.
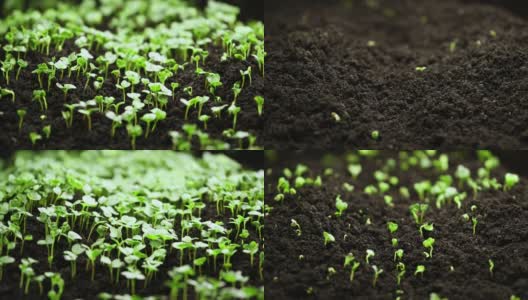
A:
(518, 7)
(249, 9)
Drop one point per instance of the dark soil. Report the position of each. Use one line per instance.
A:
(79, 137)
(319, 62)
(501, 235)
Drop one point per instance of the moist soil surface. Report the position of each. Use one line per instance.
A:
(79, 137)
(501, 235)
(358, 59)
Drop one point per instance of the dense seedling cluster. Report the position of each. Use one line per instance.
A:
(385, 215)
(158, 223)
(140, 68)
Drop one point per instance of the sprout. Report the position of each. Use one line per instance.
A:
(204, 119)
(491, 266)
(21, 64)
(428, 244)
(236, 91)
(400, 267)
(41, 69)
(388, 199)
(377, 272)
(350, 260)
(398, 254)
(26, 273)
(370, 253)
(132, 274)
(422, 188)
(330, 271)
(245, 73)
(251, 249)
(65, 88)
(296, 225)
(217, 110)
(375, 135)
(40, 96)
(336, 117)
(340, 205)
(5, 92)
(393, 227)
(510, 180)
(5, 260)
(188, 104)
(418, 211)
(394, 242)
(21, 113)
(354, 170)
(260, 104)
(47, 131)
(174, 86)
(148, 118)
(88, 114)
(328, 238)
(234, 110)
(474, 221)
(34, 137)
(201, 101)
(426, 226)
(123, 86)
(72, 256)
(134, 131)
(463, 174)
(421, 69)
(420, 269)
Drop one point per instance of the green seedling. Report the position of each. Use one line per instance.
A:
(474, 223)
(341, 206)
(134, 131)
(354, 170)
(65, 88)
(328, 238)
(377, 272)
(251, 249)
(510, 180)
(234, 111)
(400, 268)
(418, 211)
(88, 115)
(398, 254)
(393, 227)
(491, 266)
(370, 253)
(375, 135)
(34, 137)
(428, 244)
(297, 227)
(8, 92)
(204, 119)
(21, 113)
(420, 269)
(260, 104)
(426, 226)
(350, 260)
(40, 96)
(5, 260)
(46, 130)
